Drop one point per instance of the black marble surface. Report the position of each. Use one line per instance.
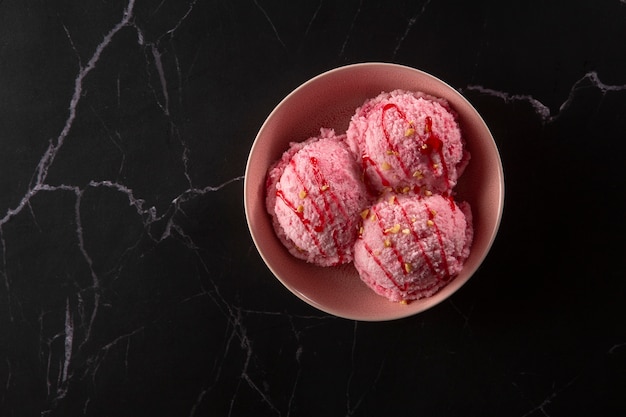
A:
(129, 284)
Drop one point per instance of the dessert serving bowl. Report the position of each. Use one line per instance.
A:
(329, 100)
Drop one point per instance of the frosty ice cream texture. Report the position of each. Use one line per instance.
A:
(315, 194)
(381, 195)
(410, 247)
(408, 139)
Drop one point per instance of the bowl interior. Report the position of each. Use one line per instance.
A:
(329, 100)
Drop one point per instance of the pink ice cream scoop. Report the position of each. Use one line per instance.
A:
(408, 140)
(410, 246)
(314, 195)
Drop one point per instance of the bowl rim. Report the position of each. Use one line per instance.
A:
(499, 202)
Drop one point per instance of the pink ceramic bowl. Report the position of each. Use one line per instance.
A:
(329, 100)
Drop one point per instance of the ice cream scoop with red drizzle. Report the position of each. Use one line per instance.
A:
(315, 195)
(411, 246)
(408, 140)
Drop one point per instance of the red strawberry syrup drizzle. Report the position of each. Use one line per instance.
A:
(395, 251)
(450, 199)
(327, 191)
(417, 239)
(444, 259)
(433, 144)
(325, 215)
(369, 161)
(385, 270)
(305, 222)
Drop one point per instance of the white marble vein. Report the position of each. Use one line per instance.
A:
(179, 22)
(546, 115)
(163, 102)
(69, 341)
(271, 23)
(95, 361)
(165, 106)
(237, 332)
(5, 276)
(298, 358)
(617, 347)
(351, 28)
(465, 316)
(354, 405)
(409, 26)
(199, 399)
(350, 408)
(9, 375)
(313, 18)
(115, 137)
(55, 146)
(38, 180)
(88, 324)
(545, 403)
(58, 384)
(69, 38)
